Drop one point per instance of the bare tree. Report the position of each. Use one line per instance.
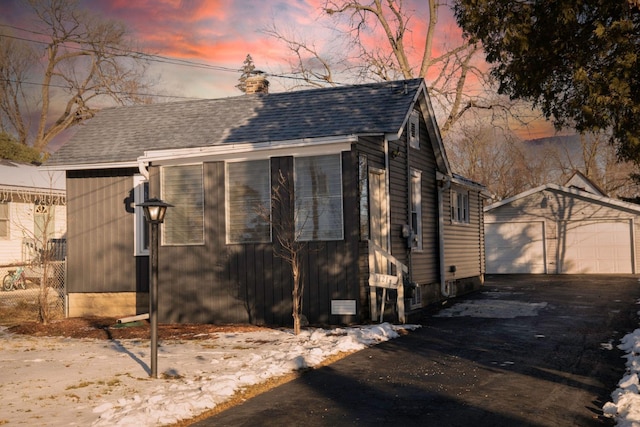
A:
(87, 59)
(452, 72)
(290, 247)
(16, 60)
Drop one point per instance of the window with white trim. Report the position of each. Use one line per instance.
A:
(413, 129)
(182, 186)
(4, 220)
(140, 226)
(460, 207)
(248, 201)
(318, 197)
(416, 208)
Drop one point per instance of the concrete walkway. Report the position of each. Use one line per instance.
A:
(555, 364)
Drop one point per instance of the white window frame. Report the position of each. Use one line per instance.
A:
(416, 299)
(6, 220)
(140, 226)
(179, 208)
(413, 130)
(301, 219)
(460, 207)
(265, 204)
(416, 209)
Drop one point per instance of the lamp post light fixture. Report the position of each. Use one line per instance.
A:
(154, 211)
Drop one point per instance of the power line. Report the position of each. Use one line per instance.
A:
(160, 58)
(115, 92)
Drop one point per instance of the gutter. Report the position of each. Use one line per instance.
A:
(444, 183)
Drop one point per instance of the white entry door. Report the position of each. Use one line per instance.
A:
(378, 212)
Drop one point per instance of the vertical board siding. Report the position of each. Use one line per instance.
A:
(250, 283)
(100, 232)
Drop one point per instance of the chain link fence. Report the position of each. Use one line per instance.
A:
(39, 289)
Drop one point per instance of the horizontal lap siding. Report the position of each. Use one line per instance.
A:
(100, 231)
(463, 243)
(425, 263)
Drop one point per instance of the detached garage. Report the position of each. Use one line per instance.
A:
(561, 230)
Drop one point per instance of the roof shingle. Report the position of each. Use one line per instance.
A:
(122, 134)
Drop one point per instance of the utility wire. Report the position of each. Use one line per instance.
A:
(156, 58)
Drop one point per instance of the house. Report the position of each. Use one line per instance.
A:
(570, 229)
(32, 212)
(361, 170)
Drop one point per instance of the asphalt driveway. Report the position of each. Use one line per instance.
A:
(555, 364)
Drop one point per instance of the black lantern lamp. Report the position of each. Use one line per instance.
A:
(154, 210)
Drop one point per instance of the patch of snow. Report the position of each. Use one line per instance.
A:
(625, 400)
(62, 381)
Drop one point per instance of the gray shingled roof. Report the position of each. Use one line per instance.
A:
(122, 134)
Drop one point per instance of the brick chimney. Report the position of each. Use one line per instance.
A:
(256, 83)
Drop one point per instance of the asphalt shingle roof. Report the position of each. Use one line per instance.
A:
(122, 134)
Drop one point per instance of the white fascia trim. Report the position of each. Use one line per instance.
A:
(249, 151)
(86, 166)
(574, 191)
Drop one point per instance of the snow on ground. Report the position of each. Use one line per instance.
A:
(625, 404)
(63, 381)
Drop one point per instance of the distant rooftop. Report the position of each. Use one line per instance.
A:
(23, 176)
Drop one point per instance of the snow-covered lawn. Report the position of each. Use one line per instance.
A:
(62, 381)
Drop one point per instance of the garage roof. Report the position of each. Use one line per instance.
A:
(574, 191)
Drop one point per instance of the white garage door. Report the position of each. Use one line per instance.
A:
(515, 247)
(596, 247)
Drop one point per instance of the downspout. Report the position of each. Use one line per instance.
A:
(143, 170)
(444, 183)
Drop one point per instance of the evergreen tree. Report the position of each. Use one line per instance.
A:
(247, 70)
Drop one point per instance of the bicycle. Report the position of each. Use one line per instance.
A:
(13, 279)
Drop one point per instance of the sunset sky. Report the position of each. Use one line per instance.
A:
(218, 34)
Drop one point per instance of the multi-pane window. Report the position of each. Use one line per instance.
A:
(43, 222)
(414, 130)
(416, 208)
(248, 191)
(318, 198)
(460, 207)
(4, 220)
(182, 186)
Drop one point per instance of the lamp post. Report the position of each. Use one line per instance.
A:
(154, 210)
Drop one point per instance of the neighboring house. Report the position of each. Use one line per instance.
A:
(571, 229)
(32, 212)
(579, 181)
(365, 168)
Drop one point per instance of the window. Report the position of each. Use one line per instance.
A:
(460, 207)
(416, 298)
(140, 227)
(318, 198)
(248, 192)
(416, 208)
(43, 223)
(414, 130)
(182, 187)
(4, 220)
